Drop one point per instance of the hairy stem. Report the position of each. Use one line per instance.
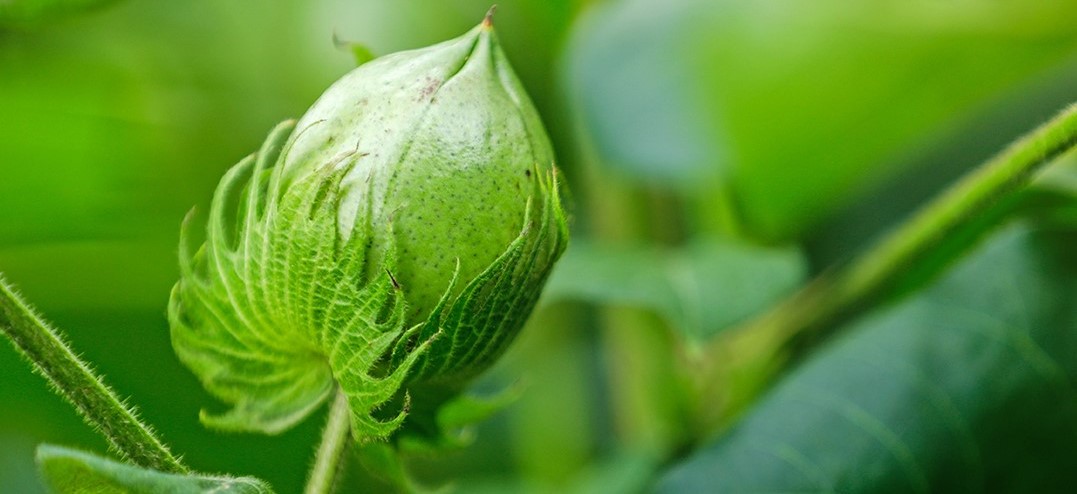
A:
(335, 438)
(747, 359)
(1000, 176)
(73, 379)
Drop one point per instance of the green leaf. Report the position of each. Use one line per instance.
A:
(450, 431)
(798, 105)
(1053, 195)
(359, 52)
(968, 386)
(700, 289)
(385, 462)
(68, 471)
(1060, 177)
(454, 419)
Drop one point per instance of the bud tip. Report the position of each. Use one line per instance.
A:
(488, 21)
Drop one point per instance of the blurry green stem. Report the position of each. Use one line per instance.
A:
(334, 444)
(46, 350)
(750, 356)
(649, 405)
(1000, 176)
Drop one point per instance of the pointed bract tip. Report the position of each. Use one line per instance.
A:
(488, 21)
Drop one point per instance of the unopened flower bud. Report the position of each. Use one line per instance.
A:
(398, 234)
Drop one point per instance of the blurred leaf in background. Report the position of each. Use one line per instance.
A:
(796, 105)
(700, 289)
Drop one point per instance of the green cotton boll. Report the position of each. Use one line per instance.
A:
(395, 238)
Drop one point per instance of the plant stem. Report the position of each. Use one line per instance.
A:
(73, 379)
(648, 407)
(747, 358)
(334, 443)
(1000, 176)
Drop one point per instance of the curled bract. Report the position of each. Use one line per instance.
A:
(395, 238)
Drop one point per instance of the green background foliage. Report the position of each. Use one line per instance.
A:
(717, 153)
(889, 406)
